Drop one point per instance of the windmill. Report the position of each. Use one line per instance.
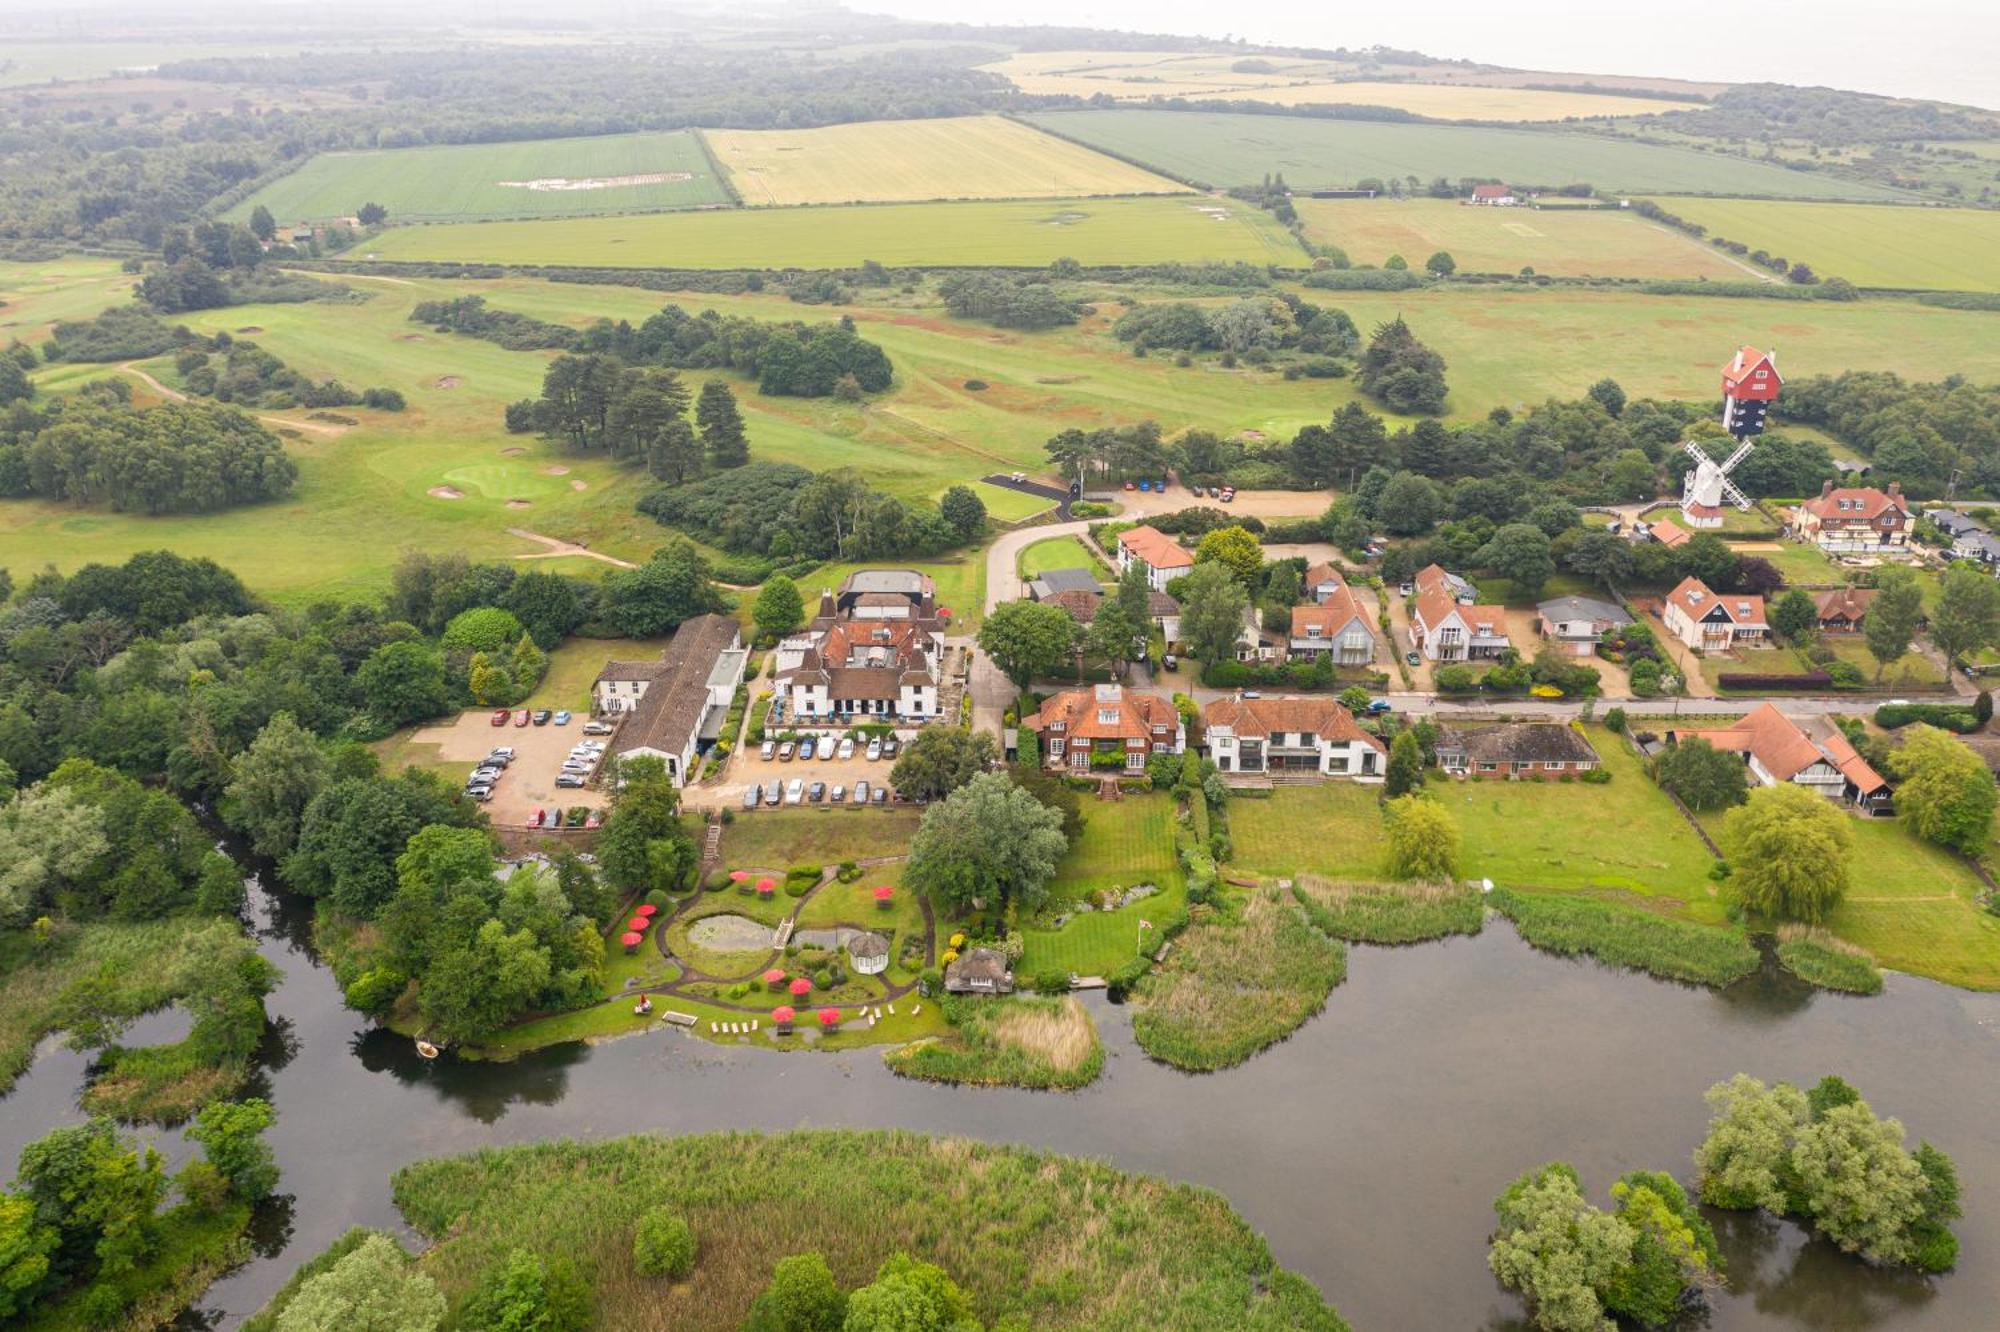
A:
(1749, 386)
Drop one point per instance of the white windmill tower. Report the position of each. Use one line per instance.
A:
(1708, 486)
(1749, 386)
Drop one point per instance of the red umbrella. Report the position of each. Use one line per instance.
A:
(648, 910)
(802, 986)
(783, 1015)
(639, 923)
(774, 975)
(884, 893)
(767, 885)
(829, 1017)
(631, 941)
(738, 876)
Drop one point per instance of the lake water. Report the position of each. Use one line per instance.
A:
(1368, 1147)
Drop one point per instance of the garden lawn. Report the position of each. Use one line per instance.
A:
(1332, 829)
(779, 839)
(961, 585)
(854, 904)
(1556, 243)
(1009, 506)
(1057, 553)
(1801, 564)
(1914, 907)
(575, 664)
(1123, 844)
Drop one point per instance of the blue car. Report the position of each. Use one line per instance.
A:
(562, 718)
(1378, 706)
(1145, 485)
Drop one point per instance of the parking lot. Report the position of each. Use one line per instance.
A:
(529, 783)
(747, 767)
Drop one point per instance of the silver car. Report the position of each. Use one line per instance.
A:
(754, 796)
(861, 793)
(874, 750)
(795, 791)
(846, 748)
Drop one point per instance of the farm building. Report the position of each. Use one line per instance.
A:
(1778, 749)
(1530, 749)
(1492, 196)
(676, 705)
(1710, 623)
(1315, 735)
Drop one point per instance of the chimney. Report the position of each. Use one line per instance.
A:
(1825, 489)
(1895, 489)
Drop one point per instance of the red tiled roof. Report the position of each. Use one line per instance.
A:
(1490, 191)
(1322, 573)
(1081, 605)
(1670, 533)
(1338, 610)
(1847, 603)
(1744, 364)
(1786, 751)
(1128, 714)
(1696, 599)
(1261, 716)
(1155, 548)
(1855, 503)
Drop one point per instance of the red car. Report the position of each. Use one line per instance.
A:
(521, 717)
(500, 718)
(535, 819)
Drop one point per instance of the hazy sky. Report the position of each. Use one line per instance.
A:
(1944, 49)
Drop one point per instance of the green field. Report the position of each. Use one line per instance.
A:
(468, 182)
(1948, 249)
(1122, 845)
(1057, 553)
(1555, 243)
(1091, 231)
(34, 296)
(1225, 148)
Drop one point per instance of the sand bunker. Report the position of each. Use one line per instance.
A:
(250, 328)
(512, 453)
(517, 504)
(547, 184)
(445, 492)
(447, 382)
(1754, 545)
(555, 469)
(579, 485)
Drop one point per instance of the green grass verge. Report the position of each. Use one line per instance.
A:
(1389, 913)
(1002, 1221)
(1241, 978)
(1065, 552)
(1818, 958)
(1045, 1044)
(1704, 954)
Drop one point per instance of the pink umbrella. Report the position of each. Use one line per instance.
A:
(885, 895)
(631, 941)
(802, 987)
(738, 876)
(783, 1015)
(639, 923)
(774, 975)
(829, 1017)
(767, 885)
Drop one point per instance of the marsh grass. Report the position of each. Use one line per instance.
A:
(1063, 1243)
(1047, 1044)
(1240, 978)
(1704, 954)
(1389, 913)
(1816, 956)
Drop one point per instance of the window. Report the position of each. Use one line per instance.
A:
(1107, 716)
(1555, 767)
(1489, 767)
(1314, 631)
(1056, 748)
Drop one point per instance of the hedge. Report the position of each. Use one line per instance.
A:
(1945, 716)
(1753, 680)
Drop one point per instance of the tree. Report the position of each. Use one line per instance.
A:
(779, 609)
(939, 761)
(1401, 372)
(1609, 395)
(1601, 556)
(1560, 1252)
(1892, 617)
(373, 1288)
(25, 1248)
(1441, 264)
(549, 606)
(671, 587)
(802, 1297)
(262, 225)
(371, 214)
(964, 512)
(643, 845)
(1029, 638)
(1702, 776)
(1112, 633)
(1745, 1159)
(50, 839)
(1409, 505)
(1422, 839)
(1788, 851)
(1212, 606)
(100, 1194)
(909, 1296)
(1519, 552)
(721, 423)
(1967, 615)
(529, 1293)
(987, 846)
(231, 1134)
(663, 1244)
(1943, 790)
(1862, 1189)
(1709, 558)
(1134, 594)
(1235, 549)
(403, 683)
(1406, 766)
(271, 783)
(1795, 615)
(1673, 1248)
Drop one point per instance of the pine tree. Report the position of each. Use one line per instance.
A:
(721, 425)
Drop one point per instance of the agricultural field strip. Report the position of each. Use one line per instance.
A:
(1869, 245)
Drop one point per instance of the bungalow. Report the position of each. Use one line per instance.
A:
(1842, 611)
(1335, 625)
(1980, 546)
(1777, 749)
(1163, 558)
(1576, 624)
(1445, 628)
(1710, 623)
(1063, 580)
(1492, 196)
(1257, 735)
(1107, 726)
(1082, 606)
(1531, 749)
(1953, 523)
(675, 706)
(979, 971)
(1854, 520)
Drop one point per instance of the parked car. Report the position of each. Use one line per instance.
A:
(542, 716)
(597, 728)
(795, 791)
(574, 819)
(874, 750)
(594, 821)
(1170, 661)
(553, 819)
(816, 792)
(890, 744)
(562, 717)
(570, 779)
(772, 794)
(478, 791)
(1128, 485)
(521, 717)
(535, 819)
(807, 748)
(483, 776)
(767, 750)
(1161, 485)
(881, 796)
(785, 752)
(846, 750)
(861, 793)
(1195, 491)
(1379, 706)
(500, 717)
(499, 758)
(1143, 485)
(839, 792)
(1412, 658)
(753, 796)
(1252, 693)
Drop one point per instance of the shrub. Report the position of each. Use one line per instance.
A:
(1051, 982)
(1614, 721)
(376, 990)
(1759, 682)
(975, 386)
(663, 1245)
(1891, 716)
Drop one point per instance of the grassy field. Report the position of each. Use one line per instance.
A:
(1955, 249)
(479, 181)
(1022, 232)
(34, 296)
(1049, 1044)
(899, 161)
(777, 839)
(1057, 553)
(1505, 240)
(1122, 845)
(1451, 101)
(1222, 148)
(1002, 1222)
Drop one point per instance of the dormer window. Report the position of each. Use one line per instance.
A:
(1107, 716)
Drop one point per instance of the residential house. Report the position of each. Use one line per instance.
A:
(1081, 605)
(1165, 613)
(1980, 546)
(1254, 643)
(1778, 749)
(1258, 735)
(875, 650)
(1710, 623)
(1163, 558)
(1107, 726)
(1953, 524)
(1525, 749)
(1337, 624)
(1492, 196)
(1444, 627)
(1053, 581)
(1855, 520)
(1669, 533)
(1323, 583)
(979, 971)
(1842, 610)
(1577, 624)
(675, 706)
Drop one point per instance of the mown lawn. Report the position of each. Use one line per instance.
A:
(1124, 843)
(778, 839)
(1333, 829)
(1064, 552)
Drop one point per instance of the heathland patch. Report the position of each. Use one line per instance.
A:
(1447, 101)
(1222, 148)
(1954, 249)
(612, 173)
(1018, 233)
(893, 161)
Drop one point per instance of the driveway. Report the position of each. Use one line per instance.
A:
(745, 767)
(1421, 679)
(1683, 658)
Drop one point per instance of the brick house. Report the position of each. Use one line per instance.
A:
(1258, 735)
(1707, 622)
(1843, 610)
(1855, 520)
(1107, 726)
(1533, 750)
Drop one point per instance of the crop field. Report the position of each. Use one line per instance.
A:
(901, 161)
(1022, 232)
(615, 173)
(1222, 148)
(1504, 240)
(1956, 249)
(1443, 101)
